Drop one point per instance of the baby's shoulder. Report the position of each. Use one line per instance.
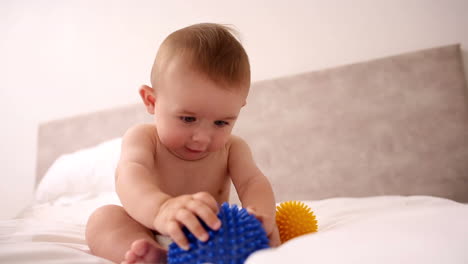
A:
(234, 139)
(235, 142)
(141, 134)
(141, 129)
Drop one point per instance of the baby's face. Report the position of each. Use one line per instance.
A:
(194, 115)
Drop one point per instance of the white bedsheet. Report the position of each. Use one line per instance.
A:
(52, 232)
(390, 229)
(417, 229)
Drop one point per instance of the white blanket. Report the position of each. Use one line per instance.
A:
(389, 229)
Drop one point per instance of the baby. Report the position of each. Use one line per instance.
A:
(178, 169)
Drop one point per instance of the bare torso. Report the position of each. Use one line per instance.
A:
(177, 177)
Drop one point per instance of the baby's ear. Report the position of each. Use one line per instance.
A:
(148, 97)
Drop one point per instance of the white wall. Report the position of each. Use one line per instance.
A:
(61, 58)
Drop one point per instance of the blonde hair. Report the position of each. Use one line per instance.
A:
(211, 49)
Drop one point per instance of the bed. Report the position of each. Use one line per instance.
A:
(377, 149)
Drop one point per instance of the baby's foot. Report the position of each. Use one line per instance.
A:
(143, 251)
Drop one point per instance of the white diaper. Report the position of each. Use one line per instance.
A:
(164, 241)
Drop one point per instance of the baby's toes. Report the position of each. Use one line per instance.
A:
(140, 247)
(144, 251)
(130, 257)
(154, 255)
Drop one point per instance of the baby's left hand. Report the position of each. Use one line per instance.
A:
(269, 224)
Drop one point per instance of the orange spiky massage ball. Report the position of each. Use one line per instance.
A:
(294, 219)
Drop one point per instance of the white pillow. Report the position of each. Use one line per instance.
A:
(89, 170)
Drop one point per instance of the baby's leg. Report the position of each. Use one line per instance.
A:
(112, 234)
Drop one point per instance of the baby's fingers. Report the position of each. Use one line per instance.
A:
(207, 199)
(175, 232)
(251, 210)
(191, 222)
(205, 213)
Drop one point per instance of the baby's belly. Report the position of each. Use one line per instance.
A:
(219, 191)
(223, 196)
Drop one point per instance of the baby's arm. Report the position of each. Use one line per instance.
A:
(135, 179)
(138, 189)
(253, 187)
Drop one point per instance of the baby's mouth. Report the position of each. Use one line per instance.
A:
(193, 150)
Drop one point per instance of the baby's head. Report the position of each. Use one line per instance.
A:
(200, 80)
(210, 50)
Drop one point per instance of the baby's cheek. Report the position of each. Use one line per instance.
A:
(171, 138)
(218, 143)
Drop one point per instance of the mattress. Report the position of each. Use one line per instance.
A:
(382, 229)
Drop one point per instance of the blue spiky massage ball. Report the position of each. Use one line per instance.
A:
(239, 236)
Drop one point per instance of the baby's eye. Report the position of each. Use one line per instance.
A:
(188, 119)
(221, 123)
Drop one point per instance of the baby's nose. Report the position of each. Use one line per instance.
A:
(201, 135)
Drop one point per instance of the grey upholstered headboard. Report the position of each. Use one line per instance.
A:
(71, 134)
(396, 125)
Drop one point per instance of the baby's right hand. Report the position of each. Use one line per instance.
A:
(183, 211)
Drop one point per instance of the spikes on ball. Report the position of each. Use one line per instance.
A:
(294, 219)
(240, 235)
